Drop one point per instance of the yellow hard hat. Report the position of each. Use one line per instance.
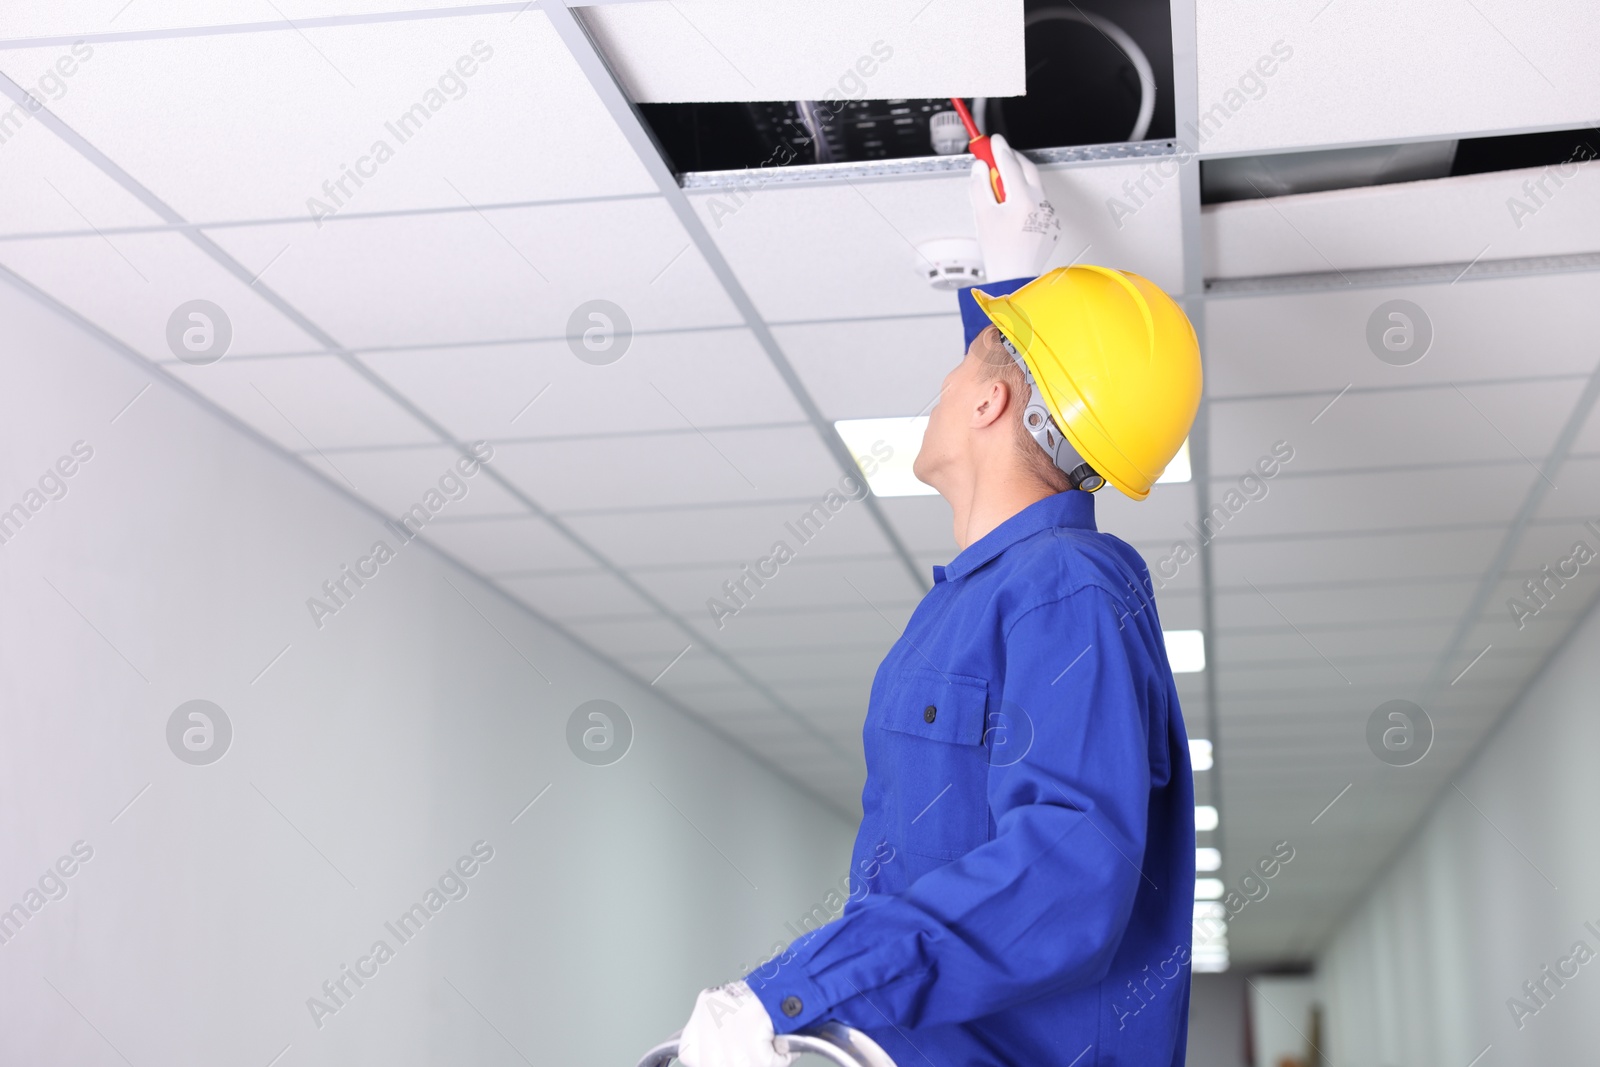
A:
(1115, 361)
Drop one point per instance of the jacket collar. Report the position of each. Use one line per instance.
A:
(1073, 508)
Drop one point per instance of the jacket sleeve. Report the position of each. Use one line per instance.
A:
(1040, 907)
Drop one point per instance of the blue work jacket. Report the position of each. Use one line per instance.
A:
(1022, 883)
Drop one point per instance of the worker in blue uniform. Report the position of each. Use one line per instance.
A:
(1027, 765)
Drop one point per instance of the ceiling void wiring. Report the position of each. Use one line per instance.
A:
(813, 125)
(1117, 36)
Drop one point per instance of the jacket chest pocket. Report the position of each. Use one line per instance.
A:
(934, 762)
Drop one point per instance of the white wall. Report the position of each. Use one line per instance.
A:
(1217, 1020)
(364, 762)
(1498, 883)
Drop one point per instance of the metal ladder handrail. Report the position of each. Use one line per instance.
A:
(834, 1042)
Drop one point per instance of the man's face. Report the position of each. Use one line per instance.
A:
(947, 441)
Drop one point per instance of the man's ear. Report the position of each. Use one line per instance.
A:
(993, 402)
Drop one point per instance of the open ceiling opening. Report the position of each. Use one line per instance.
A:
(1097, 73)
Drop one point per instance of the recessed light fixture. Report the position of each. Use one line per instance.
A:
(1186, 650)
(1200, 754)
(1178, 470)
(884, 450)
(1205, 817)
(1210, 933)
(1208, 889)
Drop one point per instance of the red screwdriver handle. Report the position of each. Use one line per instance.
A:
(980, 147)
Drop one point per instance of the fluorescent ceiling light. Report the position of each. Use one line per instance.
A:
(1208, 889)
(1178, 469)
(1205, 817)
(884, 450)
(1200, 754)
(1210, 964)
(1186, 650)
(1210, 909)
(1208, 933)
(1207, 859)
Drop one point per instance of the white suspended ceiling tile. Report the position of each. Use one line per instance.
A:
(735, 535)
(1445, 220)
(305, 403)
(875, 367)
(132, 285)
(1575, 493)
(633, 638)
(845, 248)
(1398, 601)
(1173, 573)
(1490, 328)
(541, 389)
(1311, 673)
(1342, 646)
(1549, 541)
(495, 275)
(1541, 633)
(1493, 672)
(1259, 723)
(840, 700)
(1354, 558)
(695, 670)
(875, 626)
(803, 582)
(1588, 440)
(50, 187)
(773, 733)
(799, 673)
(1365, 71)
(691, 50)
(924, 523)
(493, 107)
(579, 594)
(397, 479)
(1156, 521)
(676, 470)
(498, 546)
(1367, 501)
(722, 705)
(150, 17)
(1444, 424)
(1566, 597)
(1179, 613)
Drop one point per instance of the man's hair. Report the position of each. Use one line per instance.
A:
(996, 362)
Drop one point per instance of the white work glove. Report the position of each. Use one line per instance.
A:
(1018, 236)
(731, 1028)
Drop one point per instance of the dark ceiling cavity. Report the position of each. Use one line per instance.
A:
(1082, 89)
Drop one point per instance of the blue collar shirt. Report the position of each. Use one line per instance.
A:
(1022, 882)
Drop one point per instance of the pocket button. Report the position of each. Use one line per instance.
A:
(930, 713)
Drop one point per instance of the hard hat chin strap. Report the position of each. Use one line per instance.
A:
(1041, 426)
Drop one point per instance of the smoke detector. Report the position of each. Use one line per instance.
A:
(951, 262)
